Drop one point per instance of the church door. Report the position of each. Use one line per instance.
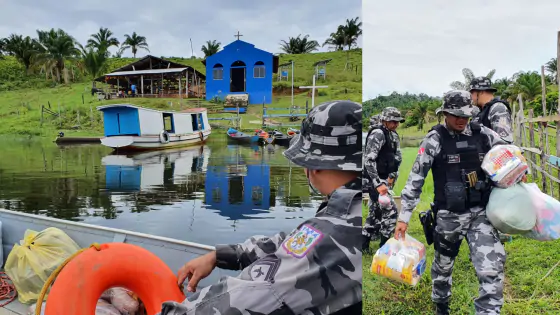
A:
(238, 80)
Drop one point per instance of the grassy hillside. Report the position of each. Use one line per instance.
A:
(20, 107)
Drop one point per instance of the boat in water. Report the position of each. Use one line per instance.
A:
(129, 127)
(174, 253)
(278, 138)
(259, 137)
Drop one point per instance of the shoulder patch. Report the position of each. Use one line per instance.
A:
(264, 269)
(421, 151)
(302, 241)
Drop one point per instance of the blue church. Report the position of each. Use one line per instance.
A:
(240, 68)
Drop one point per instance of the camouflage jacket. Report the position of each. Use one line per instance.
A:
(429, 149)
(500, 119)
(375, 141)
(316, 269)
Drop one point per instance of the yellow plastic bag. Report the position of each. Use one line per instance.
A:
(31, 262)
(403, 261)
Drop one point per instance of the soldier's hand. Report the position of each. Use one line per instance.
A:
(382, 190)
(196, 270)
(524, 178)
(400, 230)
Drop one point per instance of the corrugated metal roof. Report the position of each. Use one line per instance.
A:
(152, 71)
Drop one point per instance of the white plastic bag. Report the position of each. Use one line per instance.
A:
(384, 201)
(123, 300)
(547, 209)
(400, 260)
(511, 210)
(505, 165)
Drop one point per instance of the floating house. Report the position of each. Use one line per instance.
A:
(241, 71)
(136, 128)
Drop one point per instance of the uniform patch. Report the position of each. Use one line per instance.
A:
(264, 269)
(453, 158)
(421, 151)
(301, 242)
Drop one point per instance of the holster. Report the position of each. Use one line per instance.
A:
(428, 221)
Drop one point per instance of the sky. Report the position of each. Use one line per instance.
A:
(168, 25)
(422, 46)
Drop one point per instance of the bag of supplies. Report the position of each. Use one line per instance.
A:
(547, 209)
(505, 165)
(511, 210)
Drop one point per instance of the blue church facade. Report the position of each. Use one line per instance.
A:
(240, 68)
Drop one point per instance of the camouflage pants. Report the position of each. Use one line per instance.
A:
(380, 221)
(486, 253)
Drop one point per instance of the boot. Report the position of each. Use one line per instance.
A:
(382, 240)
(442, 308)
(365, 244)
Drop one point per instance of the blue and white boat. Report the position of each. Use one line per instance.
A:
(129, 127)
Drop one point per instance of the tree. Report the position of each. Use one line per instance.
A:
(551, 68)
(297, 45)
(102, 40)
(352, 31)
(53, 48)
(92, 61)
(2, 46)
(505, 89)
(336, 40)
(210, 48)
(469, 76)
(134, 42)
(23, 48)
(528, 84)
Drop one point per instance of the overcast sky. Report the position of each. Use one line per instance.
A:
(422, 46)
(169, 24)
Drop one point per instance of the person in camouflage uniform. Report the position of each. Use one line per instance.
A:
(454, 152)
(494, 113)
(315, 269)
(382, 159)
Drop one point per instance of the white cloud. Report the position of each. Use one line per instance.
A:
(422, 46)
(168, 25)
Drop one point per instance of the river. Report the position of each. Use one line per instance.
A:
(212, 194)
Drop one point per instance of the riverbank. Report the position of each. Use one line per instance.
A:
(528, 261)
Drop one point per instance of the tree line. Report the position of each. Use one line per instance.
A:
(419, 109)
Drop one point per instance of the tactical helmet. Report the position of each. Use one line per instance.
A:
(330, 138)
(391, 114)
(481, 84)
(457, 103)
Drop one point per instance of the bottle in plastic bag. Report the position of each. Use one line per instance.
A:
(400, 260)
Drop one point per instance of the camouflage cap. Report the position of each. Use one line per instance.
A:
(481, 84)
(457, 103)
(391, 114)
(330, 138)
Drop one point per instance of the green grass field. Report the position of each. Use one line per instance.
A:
(20, 104)
(528, 261)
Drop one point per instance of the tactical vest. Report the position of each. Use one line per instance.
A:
(386, 163)
(459, 181)
(483, 117)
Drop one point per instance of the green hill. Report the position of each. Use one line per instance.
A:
(21, 95)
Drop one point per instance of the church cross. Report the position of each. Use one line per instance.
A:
(238, 35)
(313, 87)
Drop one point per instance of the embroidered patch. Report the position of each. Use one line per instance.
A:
(301, 242)
(462, 144)
(264, 269)
(453, 158)
(421, 151)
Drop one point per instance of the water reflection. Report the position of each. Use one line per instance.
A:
(208, 194)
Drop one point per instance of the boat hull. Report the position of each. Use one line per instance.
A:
(142, 143)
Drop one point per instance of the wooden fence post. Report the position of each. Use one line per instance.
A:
(532, 140)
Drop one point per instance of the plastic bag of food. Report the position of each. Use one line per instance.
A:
(511, 210)
(123, 300)
(505, 165)
(400, 260)
(547, 209)
(384, 201)
(31, 262)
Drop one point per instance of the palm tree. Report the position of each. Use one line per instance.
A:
(297, 45)
(134, 42)
(23, 48)
(92, 61)
(336, 40)
(505, 89)
(102, 40)
(352, 31)
(54, 47)
(469, 76)
(551, 67)
(210, 48)
(528, 84)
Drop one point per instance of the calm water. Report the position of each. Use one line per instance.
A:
(216, 193)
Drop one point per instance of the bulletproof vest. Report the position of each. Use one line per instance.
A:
(386, 163)
(459, 181)
(482, 117)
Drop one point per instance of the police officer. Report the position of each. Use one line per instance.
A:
(494, 113)
(315, 269)
(382, 160)
(453, 151)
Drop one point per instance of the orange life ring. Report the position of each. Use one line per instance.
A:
(82, 281)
